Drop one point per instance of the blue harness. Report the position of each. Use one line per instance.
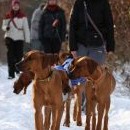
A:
(65, 67)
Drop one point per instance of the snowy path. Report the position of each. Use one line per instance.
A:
(16, 111)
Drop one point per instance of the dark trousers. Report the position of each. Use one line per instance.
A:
(51, 45)
(14, 54)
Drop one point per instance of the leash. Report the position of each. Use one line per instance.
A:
(57, 30)
(88, 17)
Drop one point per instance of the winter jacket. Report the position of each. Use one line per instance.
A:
(17, 30)
(46, 30)
(35, 23)
(100, 12)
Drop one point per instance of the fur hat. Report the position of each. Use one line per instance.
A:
(15, 2)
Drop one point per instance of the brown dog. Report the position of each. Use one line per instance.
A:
(77, 91)
(47, 88)
(98, 90)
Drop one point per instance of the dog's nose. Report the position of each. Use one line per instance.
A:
(15, 91)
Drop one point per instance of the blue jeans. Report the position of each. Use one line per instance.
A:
(98, 54)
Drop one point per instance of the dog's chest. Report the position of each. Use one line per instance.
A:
(50, 91)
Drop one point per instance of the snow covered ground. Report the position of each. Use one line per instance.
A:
(16, 111)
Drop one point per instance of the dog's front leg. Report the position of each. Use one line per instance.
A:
(38, 113)
(54, 114)
(47, 113)
(67, 116)
(60, 113)
(79, 102)
(56, 117)
(101, 107)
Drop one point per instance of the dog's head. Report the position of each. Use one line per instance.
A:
(35, 60)
(23, 82)
(82, 67)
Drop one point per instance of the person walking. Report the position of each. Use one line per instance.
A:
(16, 29)
(35, 42)
(52, 27)
(91, 29)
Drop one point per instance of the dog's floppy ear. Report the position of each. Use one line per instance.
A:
(55, 59)
(91, 65)
(49, 59)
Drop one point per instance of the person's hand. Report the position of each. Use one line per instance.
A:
(55, 23)
(8, 28)
(110, 53)
(111, 56)
(74, 53)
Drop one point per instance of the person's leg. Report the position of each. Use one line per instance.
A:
(36, 45)
(55, 45)
(18, 52)
(47, 45)
(82, 50)
(98, 54)
(10, 57)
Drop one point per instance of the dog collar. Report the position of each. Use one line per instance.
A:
(47, 79)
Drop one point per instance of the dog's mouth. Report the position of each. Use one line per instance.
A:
(17, 91)
(22, 68)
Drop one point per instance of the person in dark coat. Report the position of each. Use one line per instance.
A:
(52, 27)
(84, 40)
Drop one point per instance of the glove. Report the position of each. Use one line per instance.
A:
(55, 23)
(74, 53)
(7, 28)
(110, 56)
